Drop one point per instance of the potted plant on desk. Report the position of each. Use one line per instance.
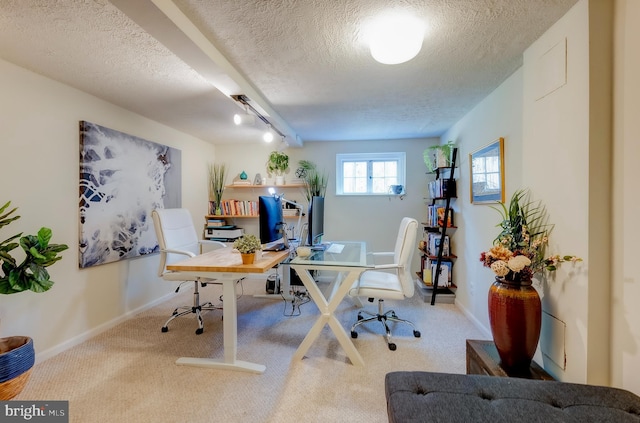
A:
(16, 352)
(247, 245)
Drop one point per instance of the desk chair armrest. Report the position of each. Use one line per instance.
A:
(385, 253)
(391, 266)
(387, 266)
(211, 242)
(172, 251)
(381, 257)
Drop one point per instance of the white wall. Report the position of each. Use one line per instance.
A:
(625, 330)
(39, 145)
(559, 148)
(498, 115)
(568, 130)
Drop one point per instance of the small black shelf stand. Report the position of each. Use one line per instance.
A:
(443, 230)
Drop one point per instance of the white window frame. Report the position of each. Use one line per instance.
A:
(399, 157)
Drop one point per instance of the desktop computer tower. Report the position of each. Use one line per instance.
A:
(273, 285)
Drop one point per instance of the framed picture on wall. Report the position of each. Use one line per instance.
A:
(487, 173)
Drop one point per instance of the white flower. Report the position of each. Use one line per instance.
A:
(517, 263)
(500, 268)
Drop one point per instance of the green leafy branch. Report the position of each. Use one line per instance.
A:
(31, 274)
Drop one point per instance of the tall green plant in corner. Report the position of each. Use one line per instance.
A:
(30, 274)
(315, 182)
(217, 179)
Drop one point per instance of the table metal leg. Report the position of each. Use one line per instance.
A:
(230, 326)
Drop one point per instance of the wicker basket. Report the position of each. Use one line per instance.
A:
(17, 357)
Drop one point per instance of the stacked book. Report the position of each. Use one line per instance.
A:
(241, 182)
(215, 223)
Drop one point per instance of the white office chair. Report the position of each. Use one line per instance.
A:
(178, 240)
(382, 284)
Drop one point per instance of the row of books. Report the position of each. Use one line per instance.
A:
(432, 243)
(435, 216)
(239, 207)
(442, 188)
(444, 279)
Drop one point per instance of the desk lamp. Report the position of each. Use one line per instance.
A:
(272, 192)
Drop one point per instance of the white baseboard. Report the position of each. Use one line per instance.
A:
(486, 331)
(51, 352)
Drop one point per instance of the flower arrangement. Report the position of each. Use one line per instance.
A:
(247, 244)
(518, 251)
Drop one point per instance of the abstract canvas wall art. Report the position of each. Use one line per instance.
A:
(122, 179)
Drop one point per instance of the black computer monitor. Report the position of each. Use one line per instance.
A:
(316, 221)
(271, 220)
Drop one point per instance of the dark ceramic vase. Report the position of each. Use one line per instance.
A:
(515, 315)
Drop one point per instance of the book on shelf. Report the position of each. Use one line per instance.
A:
(433, 244)
(435, 216)
(215, 223)
(442, 188)
(239, 207)
(444, 280)
(241, 182)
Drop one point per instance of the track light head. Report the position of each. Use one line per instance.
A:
(244, 119)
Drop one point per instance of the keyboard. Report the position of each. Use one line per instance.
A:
(320, 247)
(275, 247)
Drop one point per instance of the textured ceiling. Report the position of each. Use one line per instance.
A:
(302, 63)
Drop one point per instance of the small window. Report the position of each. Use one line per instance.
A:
(369, 173)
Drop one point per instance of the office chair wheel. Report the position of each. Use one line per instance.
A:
(165, 329)
(354, 334)
(416, 333)
(392, 346)
(199, 331)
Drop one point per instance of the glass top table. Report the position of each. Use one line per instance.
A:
(349, 259)
(336, 254)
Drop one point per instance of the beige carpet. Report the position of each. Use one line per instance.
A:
(128, 374)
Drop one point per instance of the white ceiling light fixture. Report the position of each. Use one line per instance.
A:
(395, 38)
(271, 130)
(245, 119)
(268, 135)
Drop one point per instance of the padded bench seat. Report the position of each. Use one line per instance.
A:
(452, 398)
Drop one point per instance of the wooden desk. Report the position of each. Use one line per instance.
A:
(226, 266)
(483, 359)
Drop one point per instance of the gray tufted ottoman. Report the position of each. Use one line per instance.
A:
(441, 397)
